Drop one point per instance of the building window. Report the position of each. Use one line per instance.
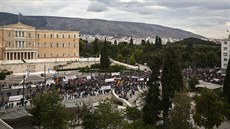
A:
(69, 54)
(63, 36)
(74, 45)
(44, 54)
(69, 45)
(38, 45)
(225, 48)
(51, 54)
(10, 44)
(51, 44)
(51, 36)
(29, 45)
(19, 44)
(44, 44)
(63, 44)
(9, 34)
(23, 34)
(74, 54)
(225, 43)
(44, 35)
(225, 65)
(57, 55)
(29, 35)
(63, 54)
(38, 55)
(74, 36)
(38, 35)
(57, 44)
(15, 34)
(225, 54)
(57, 35)
(23, 44)
(225, 59)
(69, 36)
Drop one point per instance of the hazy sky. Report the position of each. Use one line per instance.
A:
(210, 18)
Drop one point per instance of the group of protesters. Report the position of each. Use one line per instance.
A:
(84, 86)
(211, 75)
(98, 84)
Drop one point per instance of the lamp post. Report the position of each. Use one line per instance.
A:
(23, 91)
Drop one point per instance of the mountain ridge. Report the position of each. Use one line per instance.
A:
(98, 26)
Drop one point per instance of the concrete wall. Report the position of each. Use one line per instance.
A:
(4, 125)
(39, 66)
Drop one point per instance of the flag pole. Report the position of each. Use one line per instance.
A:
(18, 17)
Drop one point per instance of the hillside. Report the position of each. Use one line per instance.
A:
(95, 26)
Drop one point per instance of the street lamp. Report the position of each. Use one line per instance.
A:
(23, 91)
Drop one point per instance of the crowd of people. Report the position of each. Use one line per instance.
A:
(206, 74)
(84, 86)
(124, 84)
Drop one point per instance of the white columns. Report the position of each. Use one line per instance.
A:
(13, 56)
(16, 55)
(6, 55)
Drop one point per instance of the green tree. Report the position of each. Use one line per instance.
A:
(132, 60)
(209, 110)
(226, 88)
(95, 46)
(171, 81)
(115, 42)
(138, 53)
(2, 75)
(105, 116)
(120, 57)
(133, 113)
(193, 82)
(158, 42)
(180, 114)
(138, 124)
(131, 41)
(49, 112)
(152, 104)
(104, 60)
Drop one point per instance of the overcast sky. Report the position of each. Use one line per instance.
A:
(210, 18)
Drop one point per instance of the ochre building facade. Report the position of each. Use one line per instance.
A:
(19, 41)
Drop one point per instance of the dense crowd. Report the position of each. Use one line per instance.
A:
(206, 74)
(81, 87)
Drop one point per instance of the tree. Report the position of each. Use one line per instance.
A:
(133, 113)
(2, 75)
(104, 60)
(209, 110)
(180, 114)
(95, 46)
(120, 57)
(193, 82)
(115, 42)
(171, 81)
(131, 41)
(158, 42)
(226, 88)
(105, 116)
(132, 60)
(152, 105)
(49, 112)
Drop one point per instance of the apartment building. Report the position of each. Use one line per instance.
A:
(225, 53)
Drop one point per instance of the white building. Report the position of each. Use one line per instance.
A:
(225, 53)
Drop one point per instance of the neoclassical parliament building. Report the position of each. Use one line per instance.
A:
(23, 42)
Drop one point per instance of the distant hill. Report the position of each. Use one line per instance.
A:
(95, 26)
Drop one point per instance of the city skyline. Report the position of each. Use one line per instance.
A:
(209, 18)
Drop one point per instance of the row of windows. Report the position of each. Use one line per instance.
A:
(56, 36)
(225, 59)
(19, 34)
(57, 45)
(57, 55)
(20, 44)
